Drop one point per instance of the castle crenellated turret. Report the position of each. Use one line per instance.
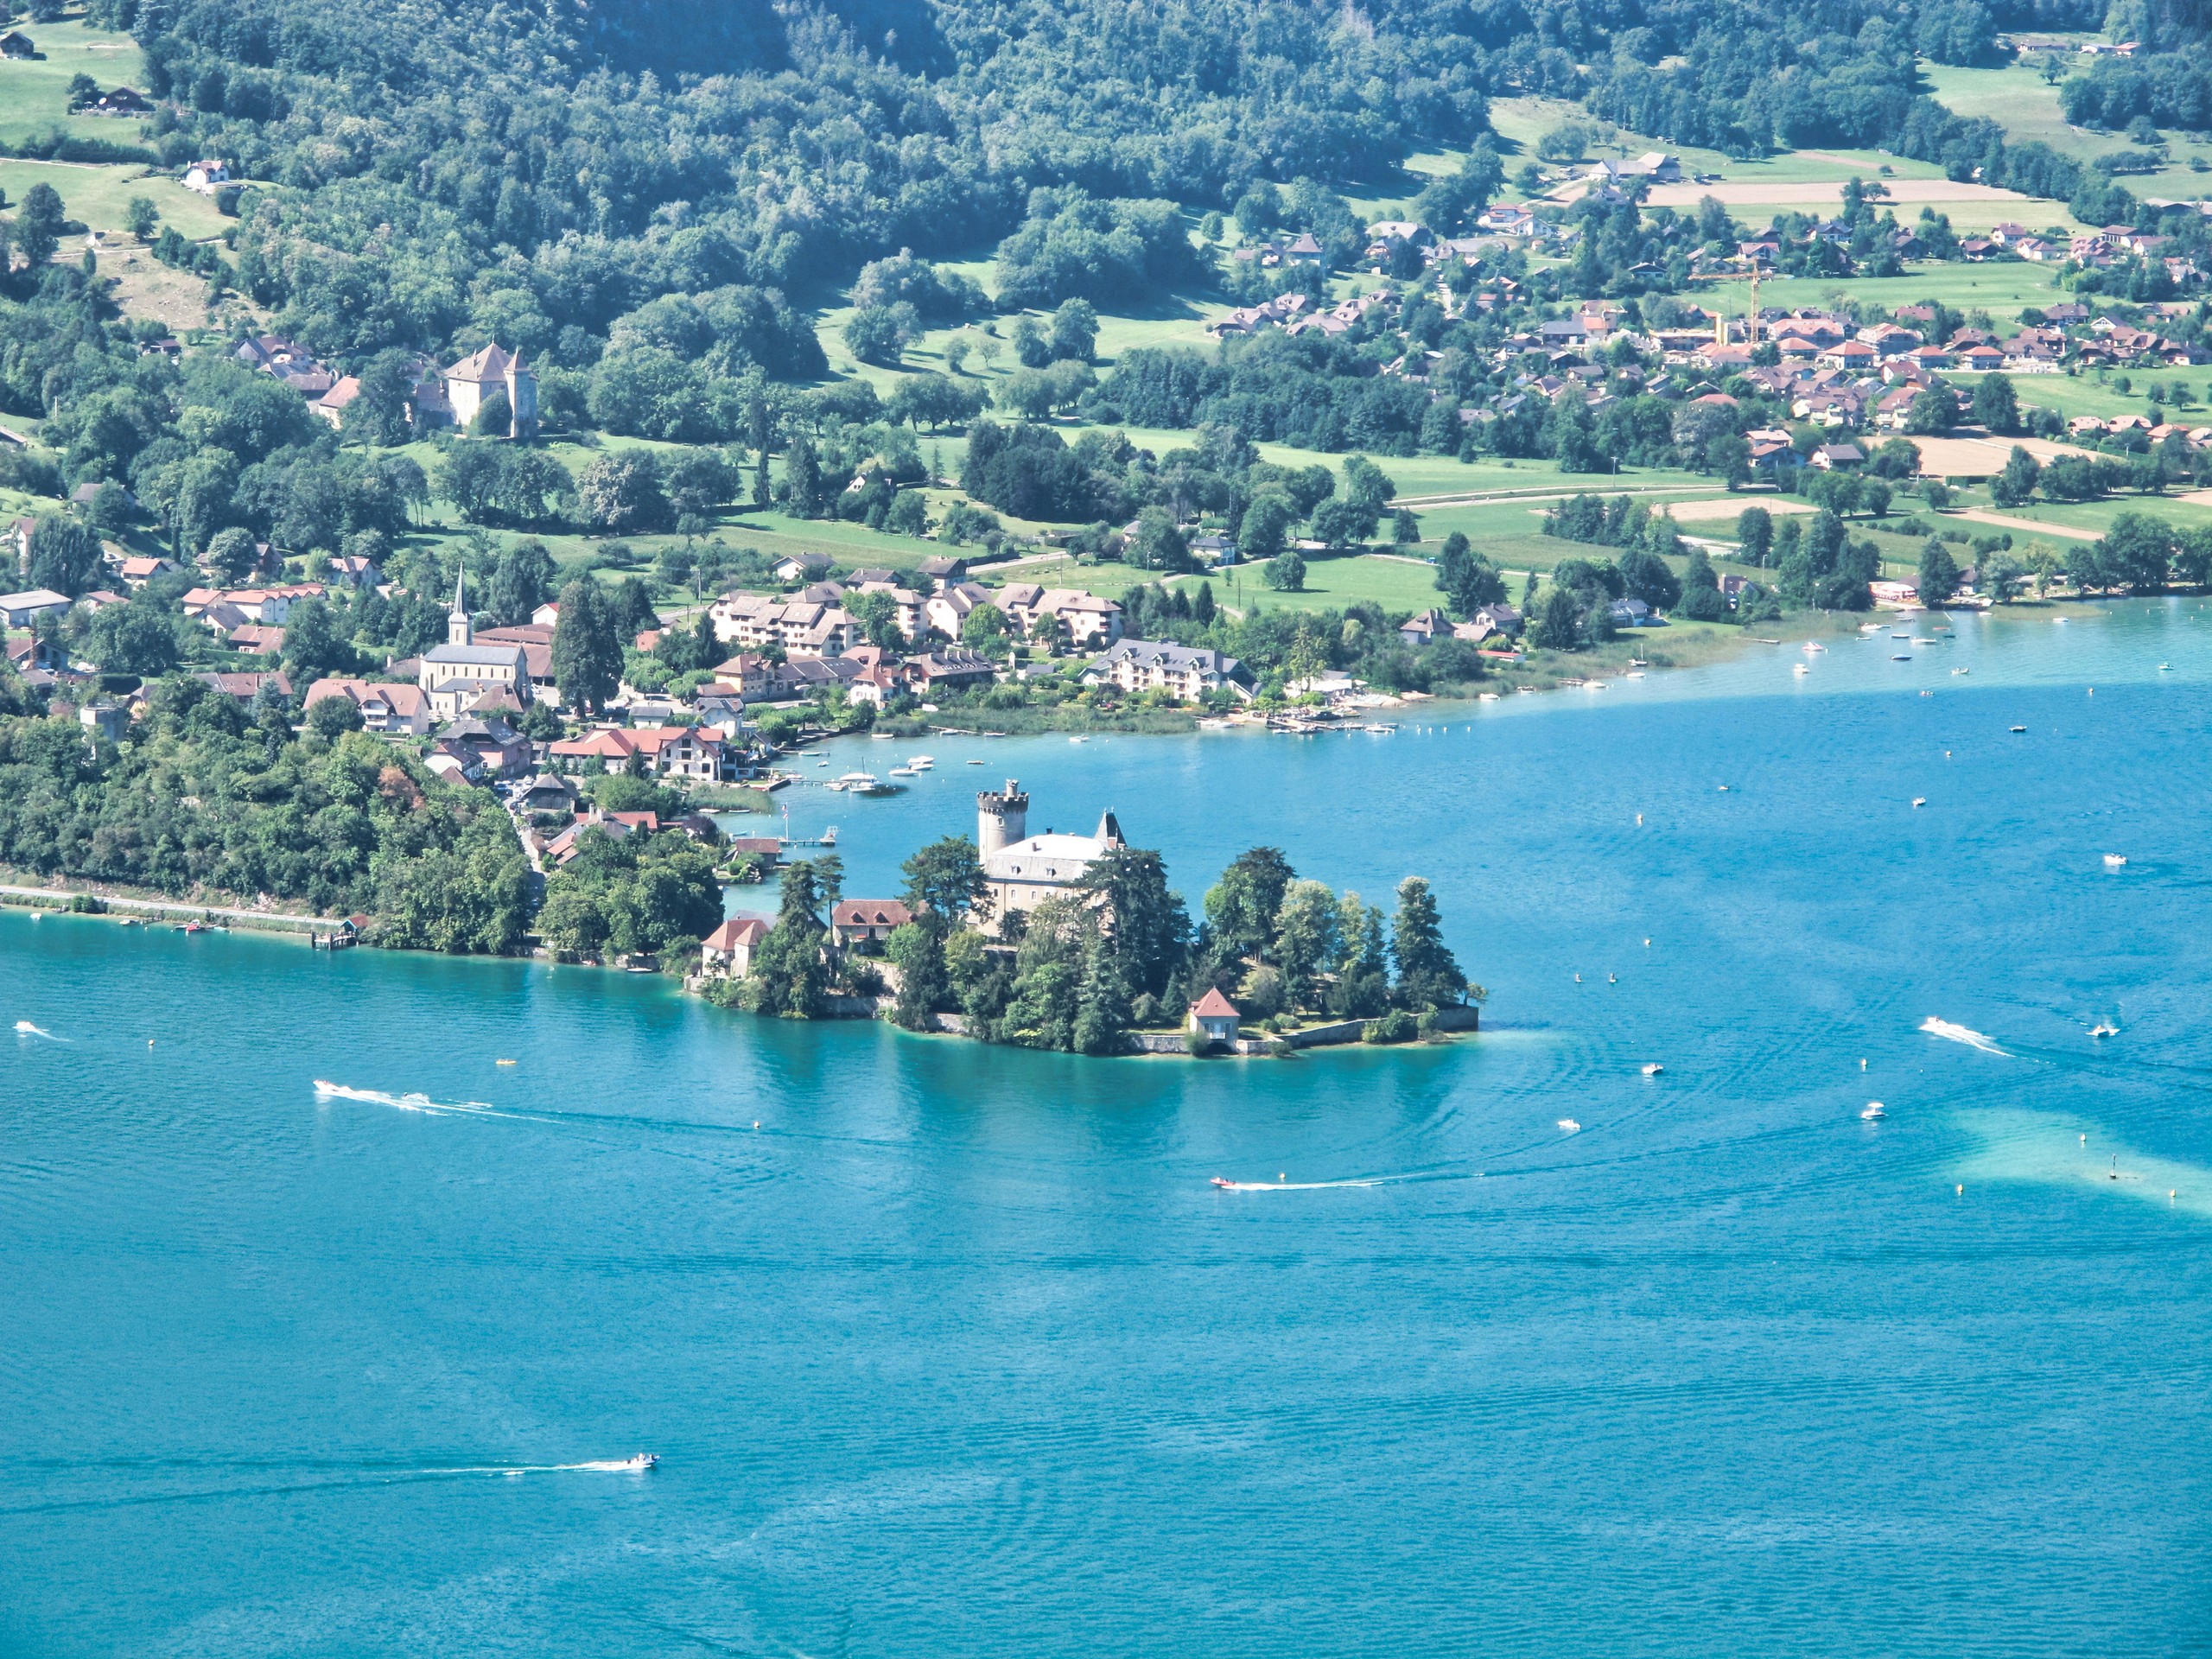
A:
(1001, 817)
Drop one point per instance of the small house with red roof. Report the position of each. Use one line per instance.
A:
(1214, 1017)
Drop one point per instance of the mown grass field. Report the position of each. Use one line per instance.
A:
(2001, 289)
(35, 92)
(99, 196)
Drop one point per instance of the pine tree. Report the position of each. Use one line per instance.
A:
(1428, 974)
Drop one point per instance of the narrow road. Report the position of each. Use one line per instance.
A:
(173, 907)
(2003, 521)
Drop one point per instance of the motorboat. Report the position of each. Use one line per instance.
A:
(1873, 1112)
(919, 762)
(2104, 1028)
(640, 1463)
(1080, 737)
(1223, 1182)
(1379, 729)
(1799, 668)
(1812, 646)
(860, 782)
(1568, 1126)
(2017, 729)
(1902, 656)
(2115, 861)
(1487, 696)
(1962, 671)
(1652, 1068)
(902, 772)
(1634, 674)
(974, 763)
(1920, 800)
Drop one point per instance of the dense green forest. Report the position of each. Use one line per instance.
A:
(546, 175)
(211, 796)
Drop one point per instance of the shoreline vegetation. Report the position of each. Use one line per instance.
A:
(1113, 964)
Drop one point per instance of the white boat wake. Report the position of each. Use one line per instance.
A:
(1298, 1186)
(1952, 1033)
(27, 1029)
(414, 1102)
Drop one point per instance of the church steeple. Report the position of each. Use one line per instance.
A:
(460, 631)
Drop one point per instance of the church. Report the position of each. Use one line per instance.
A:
(1022, 870)
(460, 674)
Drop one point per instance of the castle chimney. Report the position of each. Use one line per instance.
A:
(1002, 819)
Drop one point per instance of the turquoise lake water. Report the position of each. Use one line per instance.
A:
(958, 1352)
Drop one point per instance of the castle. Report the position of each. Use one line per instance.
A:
(473, 380)
(1022, 870)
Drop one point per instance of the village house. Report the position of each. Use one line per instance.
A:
(1423, 627)
(384, 707)
(282, 359)
(1187, 673)
(334, 403)
(245, 690)
(801, 567)
(951, 670)
(726, 953)
(860, 923)
(16, 44)
(206, 177)
(798, 628)
(945, 612)
(695, 752)
(21, 610)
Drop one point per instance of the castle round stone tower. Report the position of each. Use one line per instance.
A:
(1002, 819)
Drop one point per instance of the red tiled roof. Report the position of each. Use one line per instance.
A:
(871, 912)
(1214, 1005)
(738, 929)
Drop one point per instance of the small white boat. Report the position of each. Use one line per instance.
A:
(1379, 729)
(1872, 1112)
(862, 783)
(642, 1462)
(1811, 646)
(1487, 696)
(1635, 674)
(1902, 656)
(1652, 1068)
(1920, 800)
(920, 762)
(1079, 738)
(1638, 662)
(2104, 1028)
(2018, 729)
(903, 771)
(1962, 671)
(1529, 688)
(974, 763)
(1799, 668)
(2165, 668)
(2115, 861)
(1568, 1126)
